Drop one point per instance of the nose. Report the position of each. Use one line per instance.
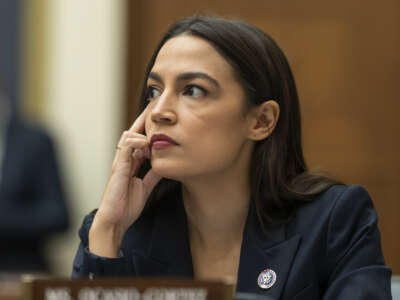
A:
(163, 110)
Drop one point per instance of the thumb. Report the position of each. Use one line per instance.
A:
(150, 180)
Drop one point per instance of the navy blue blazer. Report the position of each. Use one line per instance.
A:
(330, 250)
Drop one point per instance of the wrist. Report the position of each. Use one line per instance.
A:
(105, 239)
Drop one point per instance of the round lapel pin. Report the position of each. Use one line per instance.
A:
(266, 279)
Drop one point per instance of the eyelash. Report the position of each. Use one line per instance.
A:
(148, 92)
(186, 90)
(191, 86)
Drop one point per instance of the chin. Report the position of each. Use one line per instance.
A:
(169, 170)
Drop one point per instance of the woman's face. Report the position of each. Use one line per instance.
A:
(195, 99)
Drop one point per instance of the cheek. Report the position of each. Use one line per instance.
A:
(217, 139)
(211, 141)
(221, 144)
(226, 127)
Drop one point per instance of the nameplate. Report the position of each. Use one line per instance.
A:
(125, 289)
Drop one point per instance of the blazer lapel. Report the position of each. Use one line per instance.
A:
(147, 266)
(165, 251)
(168, 253)
(262, 251)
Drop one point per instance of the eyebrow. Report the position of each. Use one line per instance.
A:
(186, 76)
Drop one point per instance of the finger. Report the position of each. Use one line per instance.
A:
(130, 135)
(124, 155)
(147, 152)
(129, 146)
(119, 146)
(142, 152)
(138, 125)
(138, 154)
(150, 180)
(136, 164)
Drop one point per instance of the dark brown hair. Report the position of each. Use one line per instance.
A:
(280, 180)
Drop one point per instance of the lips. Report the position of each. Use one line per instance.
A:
(162, 140)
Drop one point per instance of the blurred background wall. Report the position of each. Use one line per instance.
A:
(82, 64)
(72, 83)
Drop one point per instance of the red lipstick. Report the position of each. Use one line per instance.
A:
(161, 141)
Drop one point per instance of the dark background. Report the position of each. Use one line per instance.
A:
(10, 22)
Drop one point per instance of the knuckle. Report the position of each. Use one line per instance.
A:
(128, 142)
(137, 135)
(135, 142)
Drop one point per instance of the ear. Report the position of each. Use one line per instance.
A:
(263, 119)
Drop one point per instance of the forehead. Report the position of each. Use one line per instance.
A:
(186, 53)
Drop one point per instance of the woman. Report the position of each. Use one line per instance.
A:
(228, 194)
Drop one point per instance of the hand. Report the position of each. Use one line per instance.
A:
(125, 195)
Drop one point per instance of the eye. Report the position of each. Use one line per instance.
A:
(152, 92)
(195, 91)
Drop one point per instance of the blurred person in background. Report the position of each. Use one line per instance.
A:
(32, 202)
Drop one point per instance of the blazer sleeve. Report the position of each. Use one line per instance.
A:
(87, 264)
(354, 255)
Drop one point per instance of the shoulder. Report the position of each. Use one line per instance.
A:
(340, 246)
(339, 212)
(348, 202)
(30, 135)
(338, 225)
